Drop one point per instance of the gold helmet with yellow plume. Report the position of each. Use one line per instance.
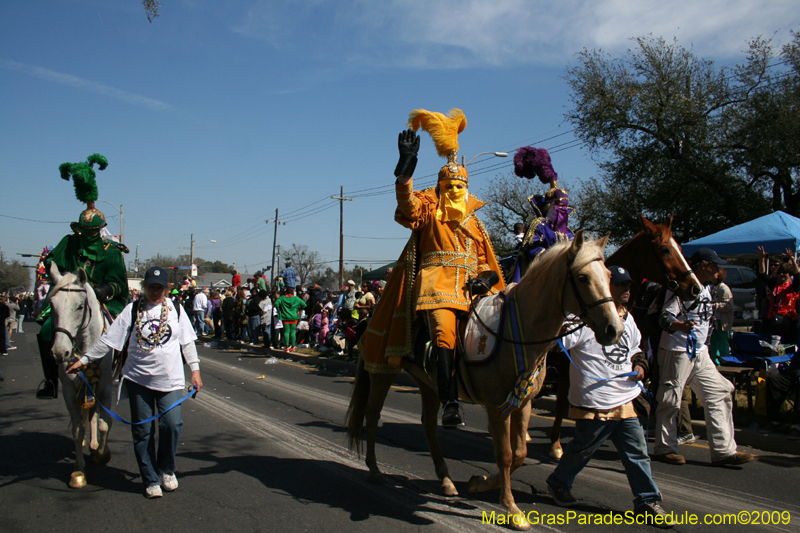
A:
(444, 130)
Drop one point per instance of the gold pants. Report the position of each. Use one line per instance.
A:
(442, 327)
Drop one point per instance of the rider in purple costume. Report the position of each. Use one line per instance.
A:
(551, 211)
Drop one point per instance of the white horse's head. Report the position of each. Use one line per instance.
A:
(74, 314)
(589, 296)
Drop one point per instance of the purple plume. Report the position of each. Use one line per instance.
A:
(530, 162)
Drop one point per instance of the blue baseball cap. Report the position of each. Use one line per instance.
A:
(156, 275)
(619, 275)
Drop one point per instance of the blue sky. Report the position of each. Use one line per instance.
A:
(217, 113)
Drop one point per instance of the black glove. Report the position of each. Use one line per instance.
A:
(104, 292)
(408, 145)
(483, 284)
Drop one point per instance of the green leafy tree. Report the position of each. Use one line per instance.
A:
(151, 8)
(764, 131)
(14, 274)
(657, 121)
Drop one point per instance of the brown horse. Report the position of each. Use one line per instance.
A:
(557, 284)
(652, 254)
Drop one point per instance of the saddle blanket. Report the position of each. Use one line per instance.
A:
(478, 342)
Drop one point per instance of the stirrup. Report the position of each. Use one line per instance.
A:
(41, 390)
(452, 424)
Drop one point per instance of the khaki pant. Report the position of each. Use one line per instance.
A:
(442, 327)
(713, 390)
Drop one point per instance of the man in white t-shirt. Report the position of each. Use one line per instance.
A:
(602, 406)
(683, 360)
(199, 311)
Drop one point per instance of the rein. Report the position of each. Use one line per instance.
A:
(583, 305)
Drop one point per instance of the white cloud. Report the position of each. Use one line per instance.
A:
(86, 85)
(469, 33)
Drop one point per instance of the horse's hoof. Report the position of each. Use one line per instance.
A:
(519, 522)
(448, 488)
(556, 453)
(475, 482)
(99, 458)
(376, 478)
(77, 480)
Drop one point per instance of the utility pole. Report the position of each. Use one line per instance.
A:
(342, 198)
(191, 254)
(279, 262)
(121, 226)
(274, 242)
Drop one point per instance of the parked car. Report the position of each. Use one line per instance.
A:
(742, 280)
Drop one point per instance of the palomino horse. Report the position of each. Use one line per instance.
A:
(651, 254)
(557, 284)
(78, 323)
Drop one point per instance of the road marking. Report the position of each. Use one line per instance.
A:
(696, 496)
(299, 443)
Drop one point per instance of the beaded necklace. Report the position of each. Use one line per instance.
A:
(158, 331)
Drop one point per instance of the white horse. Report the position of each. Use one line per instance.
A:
(77, 325)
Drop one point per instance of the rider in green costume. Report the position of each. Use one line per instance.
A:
(102, 261)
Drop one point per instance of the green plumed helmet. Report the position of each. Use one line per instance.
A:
(83, 177)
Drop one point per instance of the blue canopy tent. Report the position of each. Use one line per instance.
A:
(775, 232)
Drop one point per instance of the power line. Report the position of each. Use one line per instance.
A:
(32, 220)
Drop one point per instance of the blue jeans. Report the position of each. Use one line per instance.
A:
(144, 404)
(628, 436)
(197, 322)
(266, 330)
(253, 328)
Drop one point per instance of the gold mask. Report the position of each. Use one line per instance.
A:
(452, 201)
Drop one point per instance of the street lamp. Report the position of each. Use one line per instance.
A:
(191, 248)
(496, 154)
(121, 220)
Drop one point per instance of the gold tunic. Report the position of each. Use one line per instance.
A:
(431, 273)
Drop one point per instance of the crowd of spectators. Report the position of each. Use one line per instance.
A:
(254, 312)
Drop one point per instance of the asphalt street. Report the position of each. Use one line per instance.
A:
(263, 449)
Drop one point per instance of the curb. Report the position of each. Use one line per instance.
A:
(775, 443)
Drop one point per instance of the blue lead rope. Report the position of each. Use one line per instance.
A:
(114, 415)
(691, 344)
(647, 395)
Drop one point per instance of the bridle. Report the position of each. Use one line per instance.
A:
(87, 312)
(581, 302)
(673, 283)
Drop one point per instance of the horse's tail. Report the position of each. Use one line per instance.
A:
(356, 411)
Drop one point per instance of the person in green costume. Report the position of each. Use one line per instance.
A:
(289, 307)
(85, 248)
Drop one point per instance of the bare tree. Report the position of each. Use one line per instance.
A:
(307, 264)
(507, 203)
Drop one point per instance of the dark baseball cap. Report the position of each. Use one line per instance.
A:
(156, 275)
(706, 254)
(619, 275)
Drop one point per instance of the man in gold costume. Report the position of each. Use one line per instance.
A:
(448, 249)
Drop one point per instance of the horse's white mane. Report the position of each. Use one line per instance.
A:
(547, 262)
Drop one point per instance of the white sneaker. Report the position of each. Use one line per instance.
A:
(169, 482)
(153, 491)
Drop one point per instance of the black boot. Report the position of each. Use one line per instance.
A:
(448, 388)
(49, 390)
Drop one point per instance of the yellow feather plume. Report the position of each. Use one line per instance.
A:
(443, 129)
